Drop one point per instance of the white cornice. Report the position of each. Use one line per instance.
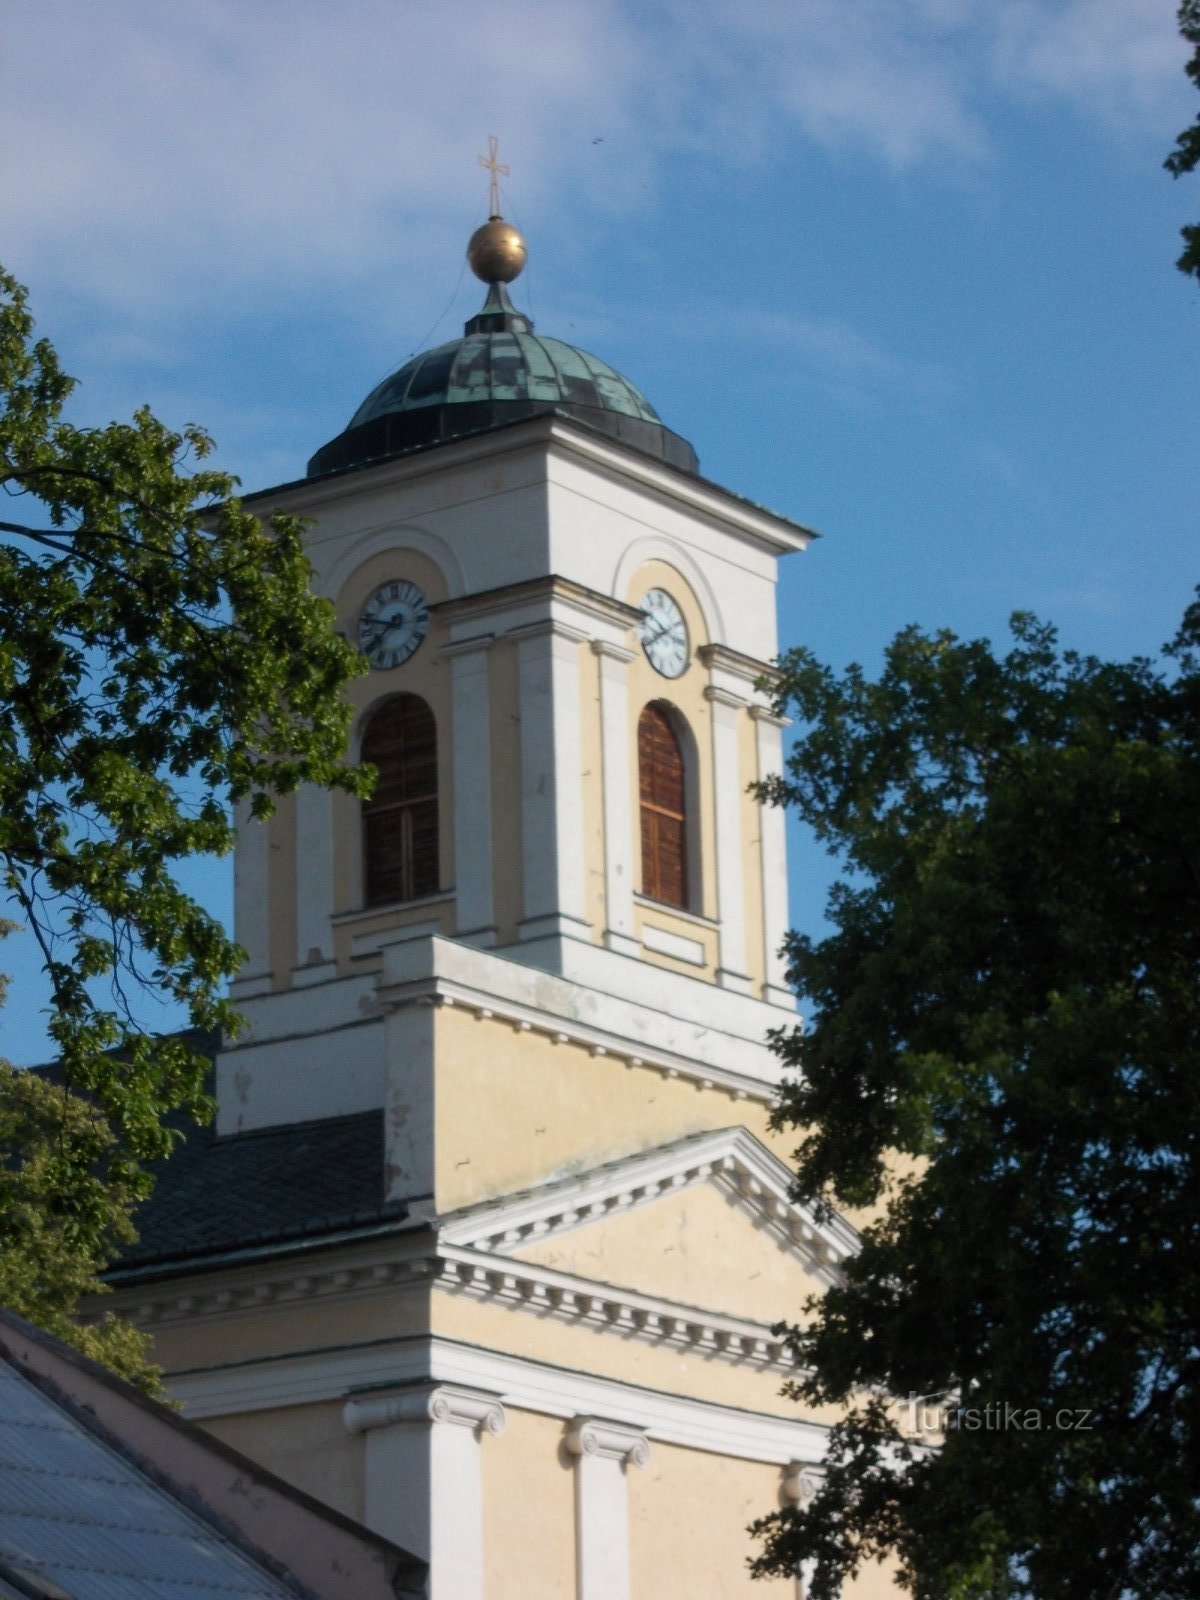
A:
(489, 987)
(367, 1372)
(345, 1271)
(552, 590)
(671, 1418)
(565, 1297)
(646, 1318)
(474, 1253)
(766, 528)
(596, 1041)
(746, 669)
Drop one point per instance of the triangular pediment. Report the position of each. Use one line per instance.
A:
(703, 1221)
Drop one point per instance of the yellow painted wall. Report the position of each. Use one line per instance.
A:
(698, 1247)
(688, 1514)
(307, 1446)
(876, 1581)
(529, 1510)
(515, 1108)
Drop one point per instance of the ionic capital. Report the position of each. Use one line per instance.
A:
(440, 1403)
(608, 1441)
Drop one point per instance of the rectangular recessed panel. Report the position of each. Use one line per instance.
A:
(666, 943)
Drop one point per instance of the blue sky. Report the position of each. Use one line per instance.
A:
(901, 270)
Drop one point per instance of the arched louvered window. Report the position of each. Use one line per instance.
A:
(664, 809)
(400, 820)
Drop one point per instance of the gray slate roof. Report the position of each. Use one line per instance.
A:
(269, 1186)
(74, 1511)
(245, 1190)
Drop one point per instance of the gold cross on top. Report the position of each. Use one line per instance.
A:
(489, 161)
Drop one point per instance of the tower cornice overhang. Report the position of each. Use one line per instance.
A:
(553, 433)
(487, 602)
(737, 666)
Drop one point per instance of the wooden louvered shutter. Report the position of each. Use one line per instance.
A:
(664, 810)
(400, 820)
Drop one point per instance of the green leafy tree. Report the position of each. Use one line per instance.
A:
(1186, 155)
(1005, 1065)
(161, 656)
(59, 1224)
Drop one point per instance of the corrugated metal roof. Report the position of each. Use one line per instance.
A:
(75, 1511)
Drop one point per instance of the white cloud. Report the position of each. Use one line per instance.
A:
(1118, 60)
(880, 76)
(150, 153)
(258, 142)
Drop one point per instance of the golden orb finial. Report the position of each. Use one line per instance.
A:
(496, 252)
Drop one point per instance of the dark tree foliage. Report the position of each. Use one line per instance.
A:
(161, 656)
(1186, 155)
(1005, 1066)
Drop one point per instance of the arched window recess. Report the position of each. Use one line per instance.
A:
(663, 794)
(400, 820)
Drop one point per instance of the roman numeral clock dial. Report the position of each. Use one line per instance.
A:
(664, 634)
(393, 623)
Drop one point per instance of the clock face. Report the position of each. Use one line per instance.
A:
(393, 623)
(664, 634)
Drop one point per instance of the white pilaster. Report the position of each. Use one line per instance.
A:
(618, 820)
(410, 1088)
(774, 860)
(472, 745)
(251, 903)
(424, 1486)
(728, 789)
(800, 1486)
(551, 781)
(314, 884)
(605, 1450)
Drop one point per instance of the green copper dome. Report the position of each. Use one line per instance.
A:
(500, 371)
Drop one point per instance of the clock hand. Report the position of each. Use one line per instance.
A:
(397, 622)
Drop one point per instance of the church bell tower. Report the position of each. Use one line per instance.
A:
(487, 1244)
(568, 629)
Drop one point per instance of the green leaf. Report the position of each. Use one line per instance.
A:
(162, 656)
(1005, 1065)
